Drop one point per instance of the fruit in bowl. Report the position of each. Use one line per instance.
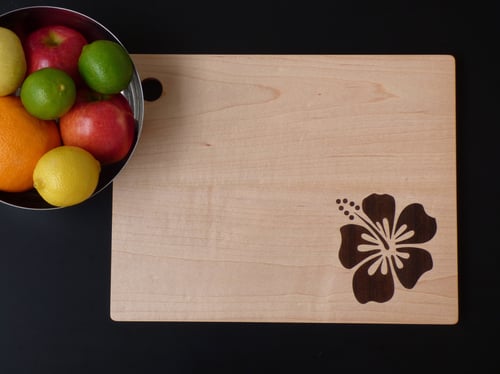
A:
(66, 175)
(54, 46)
(23, 140)
(101, 124)
(105, 66)
(48, 93)
(12, 62)
(75, 89)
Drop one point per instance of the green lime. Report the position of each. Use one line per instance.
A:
(105, 66)
(48, 93)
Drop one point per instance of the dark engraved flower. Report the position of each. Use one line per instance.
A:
(384, 249)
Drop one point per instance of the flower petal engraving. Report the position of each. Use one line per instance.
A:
(352, 238)
(384, 247)
(378, 286)
(415, 263)
(377, 207)
(416, 219)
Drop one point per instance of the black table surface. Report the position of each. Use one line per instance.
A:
(55, 266)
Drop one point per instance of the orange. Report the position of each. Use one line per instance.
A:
(24, 139)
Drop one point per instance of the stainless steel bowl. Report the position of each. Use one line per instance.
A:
(24, 20)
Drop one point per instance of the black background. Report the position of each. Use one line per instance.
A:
(55, 266)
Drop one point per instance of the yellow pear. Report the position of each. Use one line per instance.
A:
(12, 62)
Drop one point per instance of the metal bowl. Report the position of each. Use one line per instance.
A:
(25, 20)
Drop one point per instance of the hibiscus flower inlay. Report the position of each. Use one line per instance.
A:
(383, 249)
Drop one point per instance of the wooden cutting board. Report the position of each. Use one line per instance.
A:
(287, 188)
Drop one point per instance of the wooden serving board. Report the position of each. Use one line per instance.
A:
(287, 188)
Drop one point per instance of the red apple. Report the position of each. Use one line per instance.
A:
(104, 125)
(55, 46)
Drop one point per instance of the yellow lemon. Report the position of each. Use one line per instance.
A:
(12, 62)
(66, 175)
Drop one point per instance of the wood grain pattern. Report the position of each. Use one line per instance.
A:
(228, 210)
